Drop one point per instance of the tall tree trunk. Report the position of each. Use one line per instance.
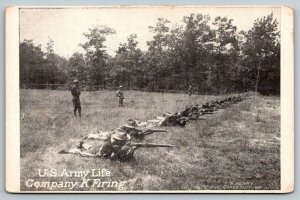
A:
(257, 77)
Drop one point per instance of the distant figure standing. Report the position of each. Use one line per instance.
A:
(76, 100)
(190, 91)
(120, 96)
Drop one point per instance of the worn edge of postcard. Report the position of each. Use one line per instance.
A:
(12, 104)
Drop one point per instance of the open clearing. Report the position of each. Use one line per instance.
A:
(235, 148)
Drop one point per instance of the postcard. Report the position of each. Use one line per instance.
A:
(150, 99)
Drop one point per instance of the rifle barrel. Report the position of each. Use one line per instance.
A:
(151, 145)
(157, 130)
(150, 131)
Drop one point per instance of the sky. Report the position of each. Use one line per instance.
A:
(65, 26)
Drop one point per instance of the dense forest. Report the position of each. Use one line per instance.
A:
(209, 54)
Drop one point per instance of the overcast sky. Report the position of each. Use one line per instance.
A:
(66, 26)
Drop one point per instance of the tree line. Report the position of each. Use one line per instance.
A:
(208, 54)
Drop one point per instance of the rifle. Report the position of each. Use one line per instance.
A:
(206, 111)
(140, 134)
(150, 131)
(141, 131)
(148, 145)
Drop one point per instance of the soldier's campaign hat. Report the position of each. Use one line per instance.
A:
(120, 86)
(75, 81)
(132, 123)
(128, 129)
(120, 134)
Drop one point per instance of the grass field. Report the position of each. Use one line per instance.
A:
(235, 148)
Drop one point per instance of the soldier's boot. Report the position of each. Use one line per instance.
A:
(74, 112)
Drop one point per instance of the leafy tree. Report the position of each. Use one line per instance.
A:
(155, 67)
(78, 68)
(37, 67)
(223, 54)
(206, 53)
(262, 53)
(96, 52)
(55, 65)
(197, 33)
(31, 62)
(127, 63)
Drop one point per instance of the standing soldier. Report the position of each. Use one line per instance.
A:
(190, 91)
(120, 96)
(76, 100)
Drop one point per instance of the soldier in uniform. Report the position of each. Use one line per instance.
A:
(190, 91)
(115, 148)
(119, 147)
(120, 96)
(76, 100)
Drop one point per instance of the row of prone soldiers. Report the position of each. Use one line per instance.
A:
(121, 143)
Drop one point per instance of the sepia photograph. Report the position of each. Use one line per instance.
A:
(147, 99)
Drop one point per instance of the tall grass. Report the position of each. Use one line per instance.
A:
(228, 146)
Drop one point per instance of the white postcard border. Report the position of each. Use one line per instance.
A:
(12, 102)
